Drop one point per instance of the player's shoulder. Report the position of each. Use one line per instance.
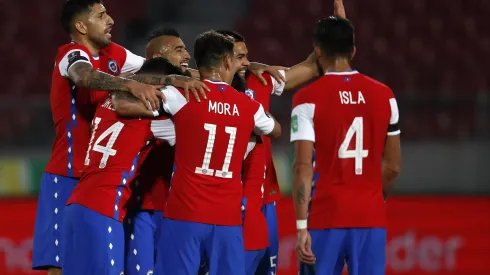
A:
(254, 84)
(70, 47)
(376, 85)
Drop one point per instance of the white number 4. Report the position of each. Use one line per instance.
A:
(356, 128)
(204, 169)
(107, 150)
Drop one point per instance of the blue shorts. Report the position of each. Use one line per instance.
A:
(183, 244)
(141, 235)
(54, 193)
(252, 260)
(362, 248)
(93, 243)
(268, 264)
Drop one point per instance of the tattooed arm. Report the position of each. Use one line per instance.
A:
(127, 105)
(302, 177)
(83, 75)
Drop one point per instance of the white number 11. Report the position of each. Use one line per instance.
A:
(204, 169)
(356, 128)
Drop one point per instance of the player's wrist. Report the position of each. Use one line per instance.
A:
(301, 224)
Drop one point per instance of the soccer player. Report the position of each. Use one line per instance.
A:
(351, 121)
(293, 77)
(150, 195)
(203, 212)
(77, 73)
(93, 231)
(167, 43)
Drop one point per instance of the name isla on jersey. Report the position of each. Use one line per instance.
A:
(346, 97)
(223, 108)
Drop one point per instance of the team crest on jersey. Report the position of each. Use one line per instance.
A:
(250, 93)
(113, 66)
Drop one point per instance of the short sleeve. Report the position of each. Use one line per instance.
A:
(174, 100)
(163, 128)
(132, 62)
(71, 58)
(394, 128)
(250, 146)
(264, 124)
(278, 87)
(302, 127)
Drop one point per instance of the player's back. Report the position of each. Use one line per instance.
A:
(351, 115)
(116, 149)
(212, 138)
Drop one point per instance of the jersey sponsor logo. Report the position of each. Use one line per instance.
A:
(294, 123)
(150, 272)
(250, 93)
(112, 65)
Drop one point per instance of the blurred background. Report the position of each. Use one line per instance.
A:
(432, 53)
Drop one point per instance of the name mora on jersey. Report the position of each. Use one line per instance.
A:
(223, 108)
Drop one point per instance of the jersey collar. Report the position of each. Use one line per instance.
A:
(342, 73)
(216, 82)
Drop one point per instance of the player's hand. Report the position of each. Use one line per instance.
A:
(258, 69)
(149, 94)
(196, 87)
(303, 247)
(338, 9)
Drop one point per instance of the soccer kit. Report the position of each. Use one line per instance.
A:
(261, 93)
(348, 116)
(93, 229)
(145, 212)
(255, 233)
(203, 214)
(72, 109)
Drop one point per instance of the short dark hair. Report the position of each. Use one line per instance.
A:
(334, 36)
(73, 8)
(236, 36)
(164, 32)
(210, 47)
(159, 65)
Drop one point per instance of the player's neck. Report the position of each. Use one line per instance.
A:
(90, 46)
(336, 65)
(215, 75)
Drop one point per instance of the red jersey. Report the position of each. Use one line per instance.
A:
(73, 108)
(212, 138)
(255, 234)
(154, 178)
(348, 116)
(116, 150)
(261, 93)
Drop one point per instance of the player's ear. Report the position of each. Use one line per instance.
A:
(81, 27)
(318, 52)
(353, 53)
(227, 62)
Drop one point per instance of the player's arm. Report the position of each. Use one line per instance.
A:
(392, 152)
(127, 105)
(266, 124)
(303, 135)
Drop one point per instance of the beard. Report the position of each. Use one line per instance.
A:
(100, 42)
(239, 83)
